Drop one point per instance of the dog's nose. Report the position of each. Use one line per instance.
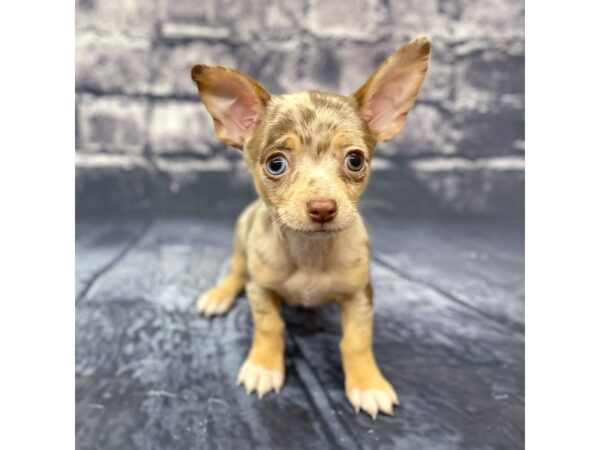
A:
(322, 210)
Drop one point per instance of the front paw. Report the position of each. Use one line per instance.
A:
(255, 377)
(215, 301)
(372, 395)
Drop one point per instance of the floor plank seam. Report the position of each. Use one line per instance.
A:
(322, 401)
(130, 245)
(505, 324)
(375, 225)
(167, 377)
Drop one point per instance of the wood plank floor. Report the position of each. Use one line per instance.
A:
(449, 335)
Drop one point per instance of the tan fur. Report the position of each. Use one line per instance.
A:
(280, 253)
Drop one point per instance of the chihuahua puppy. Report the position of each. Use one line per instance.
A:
(303, 241)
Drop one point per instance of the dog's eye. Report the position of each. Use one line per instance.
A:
(355, 161)
(277, 165)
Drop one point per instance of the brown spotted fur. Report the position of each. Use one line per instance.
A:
(279, 253)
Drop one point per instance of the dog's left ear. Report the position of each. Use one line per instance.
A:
(235, 101)
(390, 92)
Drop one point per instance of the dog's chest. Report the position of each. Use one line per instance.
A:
(308, 287)
(319, 276)
(310, 271)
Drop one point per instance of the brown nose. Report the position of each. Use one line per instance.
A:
(322, 210)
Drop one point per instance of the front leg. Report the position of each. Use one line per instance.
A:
(366, 387)
(263, 369)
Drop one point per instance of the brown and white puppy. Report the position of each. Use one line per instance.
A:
(303, 241)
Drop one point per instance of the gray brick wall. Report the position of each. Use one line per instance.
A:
(144, 142)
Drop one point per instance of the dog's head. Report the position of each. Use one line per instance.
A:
(310, 153)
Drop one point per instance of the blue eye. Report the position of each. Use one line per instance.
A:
(355, 161)
(277, 165)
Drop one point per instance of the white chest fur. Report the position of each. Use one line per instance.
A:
(313, 271)
(308, 288)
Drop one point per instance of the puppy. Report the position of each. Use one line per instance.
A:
(303, 241)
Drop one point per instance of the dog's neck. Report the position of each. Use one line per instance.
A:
(306, 250)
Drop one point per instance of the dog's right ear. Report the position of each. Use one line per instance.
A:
(234, 100)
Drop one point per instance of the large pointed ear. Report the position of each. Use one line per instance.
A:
(389, 93)
(234, 100)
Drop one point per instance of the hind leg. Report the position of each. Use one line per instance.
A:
(220, 298)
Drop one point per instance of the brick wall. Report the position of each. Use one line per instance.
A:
(144, 142)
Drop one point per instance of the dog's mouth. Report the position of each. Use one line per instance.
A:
(309, 228)
(316, 234)
(316, 230)
(320, 230)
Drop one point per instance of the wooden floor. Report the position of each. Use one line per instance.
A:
(449, 335)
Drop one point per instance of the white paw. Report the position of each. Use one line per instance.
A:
(259, 379)
(373, 400)
(210, 305)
